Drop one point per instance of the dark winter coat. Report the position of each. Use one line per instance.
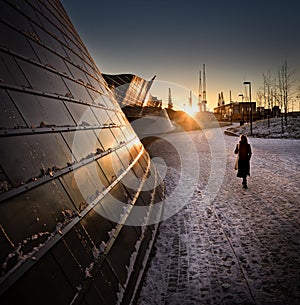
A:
(243, 150)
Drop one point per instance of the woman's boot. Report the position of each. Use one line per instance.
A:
(244, 182)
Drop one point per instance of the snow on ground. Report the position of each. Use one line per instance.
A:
(272, 128)
(241, 248)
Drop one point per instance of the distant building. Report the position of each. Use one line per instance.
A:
(236, 111)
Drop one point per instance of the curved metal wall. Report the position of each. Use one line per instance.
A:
(67, 153)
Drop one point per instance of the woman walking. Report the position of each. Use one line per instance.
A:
(243, 150)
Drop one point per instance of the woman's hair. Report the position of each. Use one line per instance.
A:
(243, 139)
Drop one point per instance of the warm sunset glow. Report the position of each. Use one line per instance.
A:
(191, 110)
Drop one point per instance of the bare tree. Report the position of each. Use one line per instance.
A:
(278, 90)
(279, 96)
(266, 93)
(285, 85)
(298, 97)
(260, 97)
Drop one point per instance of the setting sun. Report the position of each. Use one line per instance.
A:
(191, 110)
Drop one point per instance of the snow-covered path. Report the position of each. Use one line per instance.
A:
(241, 248)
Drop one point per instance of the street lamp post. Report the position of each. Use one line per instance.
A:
(249, 83)
(242, 96)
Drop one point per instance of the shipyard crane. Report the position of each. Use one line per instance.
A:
(204, 101)
(170, 103)
(199, 93)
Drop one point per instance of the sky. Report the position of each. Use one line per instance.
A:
(236, 40)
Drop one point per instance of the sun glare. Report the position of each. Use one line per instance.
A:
(192, 110)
